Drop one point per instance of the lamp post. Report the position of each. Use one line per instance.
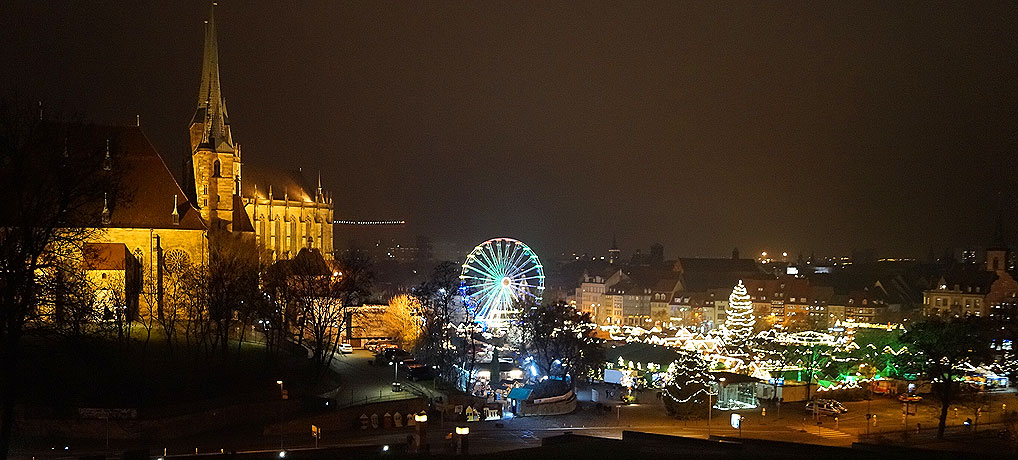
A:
(282, 397)
(422, 430)
(395, 371)
(462, 445)
(710, 405)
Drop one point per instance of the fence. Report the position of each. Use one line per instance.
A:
(918, 434)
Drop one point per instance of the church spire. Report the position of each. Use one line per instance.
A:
(211, 111)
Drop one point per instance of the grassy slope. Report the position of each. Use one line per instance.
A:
(100, 374)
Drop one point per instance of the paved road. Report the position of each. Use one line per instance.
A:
(789, 423)
(363, 382)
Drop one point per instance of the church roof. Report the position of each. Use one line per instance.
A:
(694, 264)
(148, 184)
(257, 180)
(241, 221)
(700, 274)
(309, 261)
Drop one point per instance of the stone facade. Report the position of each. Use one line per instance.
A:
(286, 214)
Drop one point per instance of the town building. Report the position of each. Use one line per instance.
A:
(968, 292)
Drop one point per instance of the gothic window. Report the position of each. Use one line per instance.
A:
(293, 235)
(216, 169)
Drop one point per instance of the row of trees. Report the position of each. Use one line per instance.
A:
(53, 200)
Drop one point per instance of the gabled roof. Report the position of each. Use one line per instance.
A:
(665, 285)
(968, 278)
(700, 274)
(256, 182)
(639, 352)
(148, 184)
(310, 261)
(241, 221)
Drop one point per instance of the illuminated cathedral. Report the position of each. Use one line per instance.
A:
(281, 208)
(164, 225)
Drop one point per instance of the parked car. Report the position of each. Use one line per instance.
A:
(345, 348)
(390, 355)
(826, 407)
(419, 371)
(909, 397)
(378, 347)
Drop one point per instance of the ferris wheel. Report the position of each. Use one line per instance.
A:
(498, 274)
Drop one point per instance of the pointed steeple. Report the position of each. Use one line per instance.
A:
(107, 161)
(614, 253)
(106, 210)
(211, 111)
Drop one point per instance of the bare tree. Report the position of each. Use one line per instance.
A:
(231, 283)
(439, 310)
(55, 183)
(313, 297)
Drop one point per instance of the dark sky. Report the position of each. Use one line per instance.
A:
(814, 126)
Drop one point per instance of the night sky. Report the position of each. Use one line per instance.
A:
(813, 127)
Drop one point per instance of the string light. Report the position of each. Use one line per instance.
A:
(740, 320)
(369, 222)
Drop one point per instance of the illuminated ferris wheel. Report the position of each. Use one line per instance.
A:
(497, 275)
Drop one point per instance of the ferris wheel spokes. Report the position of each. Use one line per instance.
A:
(497, 275)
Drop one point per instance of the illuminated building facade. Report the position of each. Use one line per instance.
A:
(281, 208)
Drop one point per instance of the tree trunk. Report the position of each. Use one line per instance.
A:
(945, 403)
(8, 391)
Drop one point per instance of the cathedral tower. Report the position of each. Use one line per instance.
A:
(215, 158)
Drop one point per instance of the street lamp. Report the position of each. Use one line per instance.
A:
(282, 397)
(395, 371)
(421, 419)
(462, 446)
(710, 404)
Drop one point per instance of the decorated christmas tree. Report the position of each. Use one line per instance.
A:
(687, 384)
(740, 319)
